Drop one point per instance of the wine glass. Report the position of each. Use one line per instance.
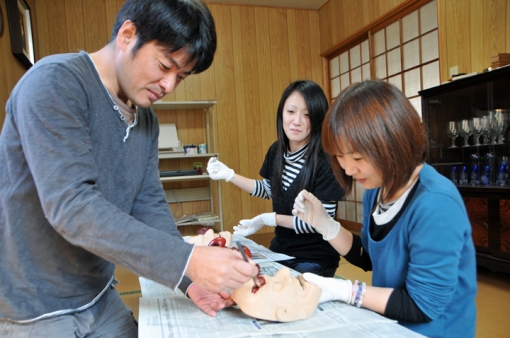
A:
(466, 130)
(477, 130)
(453, 132)
(500, 124)
(485, 128)
(493, 128)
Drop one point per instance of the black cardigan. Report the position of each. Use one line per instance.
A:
(305, 247)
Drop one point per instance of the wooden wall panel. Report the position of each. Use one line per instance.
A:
(97, 34)
(340, 19)
(58, 26)
(470, 32)
(267, 131)
(75, 27)
(315, 44)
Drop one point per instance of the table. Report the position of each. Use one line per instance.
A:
(165, 313)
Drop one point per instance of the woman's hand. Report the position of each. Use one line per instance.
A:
(248, 227)
(218, 171)
(311, 211)
(332, 288)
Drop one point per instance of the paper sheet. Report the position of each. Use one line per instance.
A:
(167, 313)
(177, 316)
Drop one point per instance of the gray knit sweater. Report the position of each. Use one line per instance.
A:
(75, 199)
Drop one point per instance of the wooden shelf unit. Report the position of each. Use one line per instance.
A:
(183, 191)
(488, 206)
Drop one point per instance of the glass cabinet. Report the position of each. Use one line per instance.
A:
(467, 121)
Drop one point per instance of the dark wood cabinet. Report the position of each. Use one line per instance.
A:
(481, 170)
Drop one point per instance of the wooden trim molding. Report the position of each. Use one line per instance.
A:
(390, 17)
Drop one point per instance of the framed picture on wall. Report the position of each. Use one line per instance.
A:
(20, 27)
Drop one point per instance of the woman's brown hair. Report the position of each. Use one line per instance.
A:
(373, 118)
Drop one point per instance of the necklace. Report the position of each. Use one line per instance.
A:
(116, 106)
(122, 117)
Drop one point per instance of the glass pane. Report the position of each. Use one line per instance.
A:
(410, 26)
(340, 211)
(396, 81)
(334, 67)
(365, 52)
(430, 74)
(393, 35)
(429, 47)
(350, 197)
(416, 103)
(344, 62)
(412, 82)
(351, 211)
(378, 39)
(344, 81)
(359, 212)
(411, 54)
(355, 55)
(356, 75)
(380, 67)
(360, 191)
(366, 71)
(428, 17)
(335, 87)
(394, 65)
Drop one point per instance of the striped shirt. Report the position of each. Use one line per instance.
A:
(293, 164)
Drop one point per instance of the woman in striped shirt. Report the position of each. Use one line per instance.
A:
(294, 162)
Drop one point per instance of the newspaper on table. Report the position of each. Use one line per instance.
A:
(259, 253)
(167, 313)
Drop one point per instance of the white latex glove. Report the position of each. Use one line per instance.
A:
(311, 211)
(332, 288)
(219, 171)
(248, 227)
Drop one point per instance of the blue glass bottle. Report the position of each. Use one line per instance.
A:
(454, 176)
(501, 176)
(485, 177)
(474, 176)
(463, 176)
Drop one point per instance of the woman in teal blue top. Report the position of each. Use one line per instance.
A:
(416, 235)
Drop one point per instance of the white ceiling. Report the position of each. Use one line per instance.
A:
(303, 4)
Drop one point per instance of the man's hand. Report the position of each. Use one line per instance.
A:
(332, 288)
(219, 269)
(248, 227)
(311, 211)
(219, 171)
(209, 302)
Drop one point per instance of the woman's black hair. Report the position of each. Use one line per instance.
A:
(173, 25)
(317, 105)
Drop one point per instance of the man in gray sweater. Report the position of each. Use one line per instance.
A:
(80, 189)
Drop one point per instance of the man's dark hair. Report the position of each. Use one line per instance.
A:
(173, 25)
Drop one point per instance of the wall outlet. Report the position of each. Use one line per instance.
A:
(454, 70)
